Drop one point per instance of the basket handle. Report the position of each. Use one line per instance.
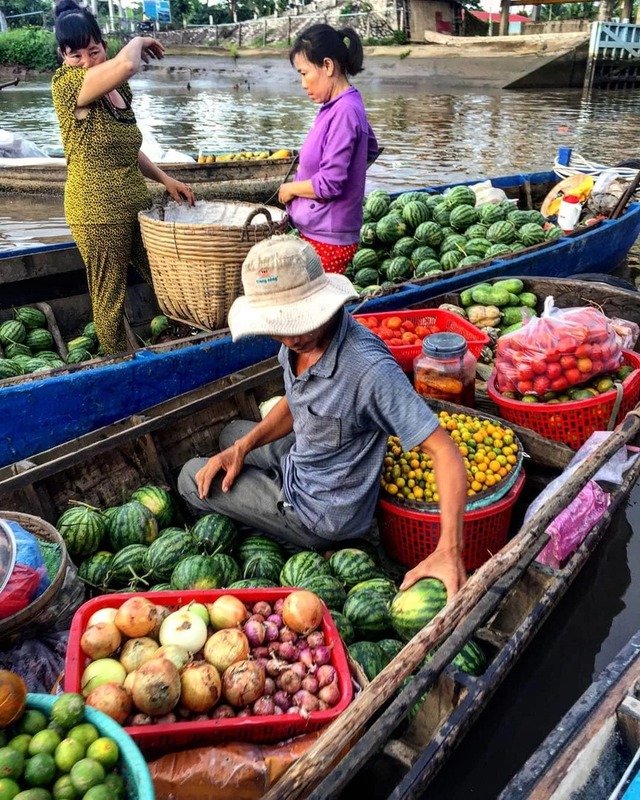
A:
(274, 227)
(163, 205)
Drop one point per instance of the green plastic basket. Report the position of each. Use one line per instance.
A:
(132, 767)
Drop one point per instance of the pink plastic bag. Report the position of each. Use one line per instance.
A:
(570, 527)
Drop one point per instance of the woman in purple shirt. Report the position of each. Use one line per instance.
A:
(325, 199)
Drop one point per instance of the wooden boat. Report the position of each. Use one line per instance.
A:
(513, 594)
(257, 180)
(592, 753)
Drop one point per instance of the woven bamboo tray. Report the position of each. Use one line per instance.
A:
(196, 268)
(16, 623)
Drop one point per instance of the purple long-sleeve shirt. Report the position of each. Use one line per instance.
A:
(334, 157)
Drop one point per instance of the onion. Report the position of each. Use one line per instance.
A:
(129, 681)
(310, 683)
(306, 657)
(262, 607)
(225, 648)
(255, 630)
(269, 686)
(288, 651)
(263, 706)
(141, 719)
(165, 719)
(136, 617)
(227, 612)
(176, 654)
(299, 668)
(223, 711)
(302, 611)
(287, 635)
(112, 699)
(277, 711)
(136, 652)
(256, 617)
(306, 701)
(104, 670)
(330, 694)
(201, 686)
(289, 682)
(271, 631)
(277, 606)
(156, 689)
(315, 639)
(282, 700)
(243, 683)
(201, 610)
(326, 674)
(276, 619)
(322, 655)
(244, 712)
(184, 629)
(162, 612)
(274, 668)
(100, 640)
(102, 615)
(260, 652)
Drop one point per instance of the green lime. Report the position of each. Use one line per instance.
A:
(86, 773)
(63, 789)
(68, 710)
(8, 789)
(85, 733)
(34, 794)
(44, 741)
(20, 743)
(100, 792)
(116, 786)
(40, 770)
(11, 763)
(32, 721)
(105, 751)
(68, 752)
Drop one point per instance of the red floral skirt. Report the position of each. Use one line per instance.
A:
(334, 257)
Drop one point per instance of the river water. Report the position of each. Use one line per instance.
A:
(428, 138)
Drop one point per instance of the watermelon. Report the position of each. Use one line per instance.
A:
(12, 331)
(301, 566)
(441, 215)
(391, 228)
(368, 611)
(82, 529)
(451, 260)
(37, 365)
(422, 253)
(81, 343)
(158, 325)
(460, 196)
(361, 544)
(90, 331)
(345, 628)
(399, 269)
(462, 217)
(49, 355)
(227, 567)
(414, 608)
(17, 349)
(477, 231)
(158, 501)
(94, 570)
(39, 339)
(254, 545)
(368, 234)
(428, 267)
(376, 207)
(391, 647)
(78, 355)
(404, 246)
(415, 212)
(252, 583)
(467, 261)
(477, 247)
(429, 233)
(536, 217)
(128, 566)
(215, 533)
(530, 234)
(498, 249)
(351, 566)
(21, 361)
(264, 564)
(366, 276)
(408, 197)
(490, 213)
(131, 523)
(434, 200)
(365, 257)
(9, 369)
(167, 550)
(456, 243)
(196, 572)
(518, 218)
(370, 656)
(501, 232)
(552, 233)
(328, 589)
(160, 587)
(380, 193)
(383, 586)
(30, 317)
(471, 659)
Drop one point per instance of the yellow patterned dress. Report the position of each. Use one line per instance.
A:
(104, 192)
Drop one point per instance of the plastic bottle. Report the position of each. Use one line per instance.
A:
(445, 370)
(569, 212)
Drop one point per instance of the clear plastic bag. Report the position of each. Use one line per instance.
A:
(28, 578)
(626, 332)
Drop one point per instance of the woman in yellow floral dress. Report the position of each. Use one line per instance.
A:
(106, 169)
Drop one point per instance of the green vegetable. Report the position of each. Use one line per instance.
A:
(490, 297)
(528, 299)
(514, 300)
(511, 328)
(513, 285)
(510, 316)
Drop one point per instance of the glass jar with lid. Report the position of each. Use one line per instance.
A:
(445, 370)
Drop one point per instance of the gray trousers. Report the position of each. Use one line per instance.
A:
(256, 498)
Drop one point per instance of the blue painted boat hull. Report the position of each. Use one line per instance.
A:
(37, 415)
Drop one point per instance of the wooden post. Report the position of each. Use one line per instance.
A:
(627, 8)
(266, 30)
(217, 36)
(289, 29)
(505, 7)
(239, 34)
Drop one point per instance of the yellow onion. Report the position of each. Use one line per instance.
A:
(201, 610)
(102, 615)
(302, 611)
(129, 681)
(227, 612)
(136, 617)
(136, 652)
(243, 683)
(156, 689)
(201, 686)
(112, 699)
(225, 648)
(104, 670)
(184, 629)
(162, 612)
(179, 656)
(100, 640)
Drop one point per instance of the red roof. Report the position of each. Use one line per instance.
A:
(484, 16)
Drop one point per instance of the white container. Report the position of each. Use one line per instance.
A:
(569, 212)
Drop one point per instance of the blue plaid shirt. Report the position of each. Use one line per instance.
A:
(344, 407)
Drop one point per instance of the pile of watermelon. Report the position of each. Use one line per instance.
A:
(83, 347)
(27, 345)
(419, 234)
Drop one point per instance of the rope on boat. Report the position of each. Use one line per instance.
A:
(581, 166)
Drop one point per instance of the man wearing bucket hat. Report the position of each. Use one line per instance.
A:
(308, 474)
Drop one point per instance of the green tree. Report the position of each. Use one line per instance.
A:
(12, 7)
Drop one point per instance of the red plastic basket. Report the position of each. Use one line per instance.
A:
(410, 536)
(572, 422)
(437, 321)
(154, 739)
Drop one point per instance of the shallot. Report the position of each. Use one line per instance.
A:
(322, 655)
(282, 700)
(262, 607)
(305, 701)
(289, 682)
(263, 706)
(254, 630)
(326, 674)
(330, 694)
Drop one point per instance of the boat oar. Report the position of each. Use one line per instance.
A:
(626, 197)
(318, 760)
(14, 82)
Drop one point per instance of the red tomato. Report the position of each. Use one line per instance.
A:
(583, 351)
(393, 322)
(568, 362)
(541, 384)
(554, 370)
(598, 367)
(559, 384)
(539, 366)
(566, 345)
(385, 333)
(573, 376)
(585, 364)
(421, 331)
(407, 325)
(395, 342)
(551, 356)
(525, 372)
(525, 386)
(597, 352)
(408, 337)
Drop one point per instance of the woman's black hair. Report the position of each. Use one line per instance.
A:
(318, 42)
(76, 26)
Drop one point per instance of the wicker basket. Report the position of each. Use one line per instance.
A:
(196, 267)
(16, 623)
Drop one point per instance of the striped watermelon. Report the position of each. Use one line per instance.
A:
(128, 566)
(460, 196)
(90, 331)
(12, 331)
(351, 566)
(404, 247)
(368, 611)
(408, 197)
(264, 564)
(78, 355)
(361, 544)
(467, 261)
(453, 243)
(158, 325)
(301, 566)
(39, 339)
(399, 269)
(167, 550)
(471, 659)
(370, 656)
(414, 608)
(391, 647)
(391, 228)
(477, 247)
(9, 369)
(427, 267)
(160, 587)
(21, 361)
(429, 233)
(253, 583)
(17, 349)
(365, 257)
(30, 317)
(158, 501)
(501, 233)
(536, 217)
(49, 355)
(215, 533)
(415, 212)
(82, 343)
(442, 215)
(95, 569)
(422, 253)
(345, 628)
(196, 572)
(434, 200)
(530, 234)
(365, 276)
(383, 586)
(227, 567)
(477, 231)
(368, 234)
(253, 545)
(82, 529)
(490, 213)
(518, 218)
(131, 523)
(498, 249)
(462, 217)
(328, 589)
(376, 207)
(552, 233)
